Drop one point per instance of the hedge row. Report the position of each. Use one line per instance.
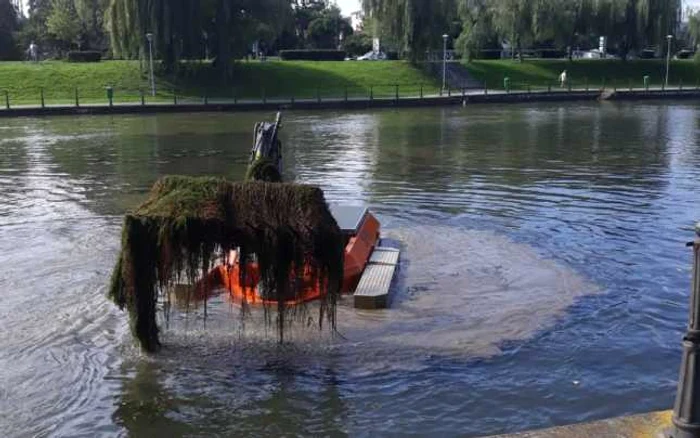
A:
(86, 56)
(312, 55)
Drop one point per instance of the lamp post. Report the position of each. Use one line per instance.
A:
(149, 37)
(668, 58)
(444, 61)
(686, 412)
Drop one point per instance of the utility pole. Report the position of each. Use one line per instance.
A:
(444, 61)
(149, 37)
(668, 57)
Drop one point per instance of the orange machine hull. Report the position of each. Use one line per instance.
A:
(361, 242)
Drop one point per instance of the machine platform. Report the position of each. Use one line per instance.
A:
(349, 217)
(375, 284)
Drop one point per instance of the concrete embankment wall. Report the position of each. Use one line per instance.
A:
(350, 104)
(655, 94)
(652, 425)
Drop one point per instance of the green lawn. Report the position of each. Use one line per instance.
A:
(612, 73)
(59, 80)
(273, 79)
(299, 79)
(304, 79)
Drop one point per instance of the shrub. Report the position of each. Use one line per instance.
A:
(392, 56)
(490, 54)
(312, 55)
(685, 54)
(696, 57)
(358, 44)
(87, 56)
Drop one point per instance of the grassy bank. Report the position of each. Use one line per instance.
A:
(274, 79)
(612, 73)
(59, 81)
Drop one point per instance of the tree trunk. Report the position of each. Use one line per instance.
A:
(223, 52)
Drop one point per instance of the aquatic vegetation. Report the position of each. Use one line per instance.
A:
(263, 169)
(187, 225)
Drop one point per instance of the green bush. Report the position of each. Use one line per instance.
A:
(358, 44)
(312, 55)
(86, 56)
(392, 56)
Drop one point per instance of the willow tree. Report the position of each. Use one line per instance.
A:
(629, 24)
(558, 22)
(513, 20)
(694, 27)
(477, 27)
(636, 24)
(183, 29)
(91, 14)
(658, 19)
(417, 25)
(127, 23)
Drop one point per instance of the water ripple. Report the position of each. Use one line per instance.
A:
(543, 245)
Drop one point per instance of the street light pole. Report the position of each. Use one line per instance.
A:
(668, 58)
(444, 62)
(149, 37)
(686, 412)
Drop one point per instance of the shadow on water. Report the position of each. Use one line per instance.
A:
(146, 405)
(248, 390)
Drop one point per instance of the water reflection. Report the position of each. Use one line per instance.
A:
(357, 155)
(339, 155)
(178, 394)
(146, 405)
(543, 245)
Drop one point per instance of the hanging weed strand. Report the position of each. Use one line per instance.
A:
(187, 224)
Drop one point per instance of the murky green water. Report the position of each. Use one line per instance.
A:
(544, 277)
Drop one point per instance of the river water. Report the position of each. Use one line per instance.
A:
(543, 281)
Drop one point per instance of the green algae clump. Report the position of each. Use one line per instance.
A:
(188, 225)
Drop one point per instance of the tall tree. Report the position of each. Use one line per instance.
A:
(417, 25)
(629, 24)
(633, 25)
(477, 27)
(63, 23)
(306, 11)
(325, 30)
(183, 28)
(34, 28)
(694, 27)
(9, 24)
(91, 14)
(513, 21)
(86, 17)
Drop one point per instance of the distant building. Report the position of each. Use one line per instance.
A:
(357, 19)
(21, 7)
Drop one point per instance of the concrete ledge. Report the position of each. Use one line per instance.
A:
(655, 94)
(650, 425)
(470, 97)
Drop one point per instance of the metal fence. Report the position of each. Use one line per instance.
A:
(107, 96)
